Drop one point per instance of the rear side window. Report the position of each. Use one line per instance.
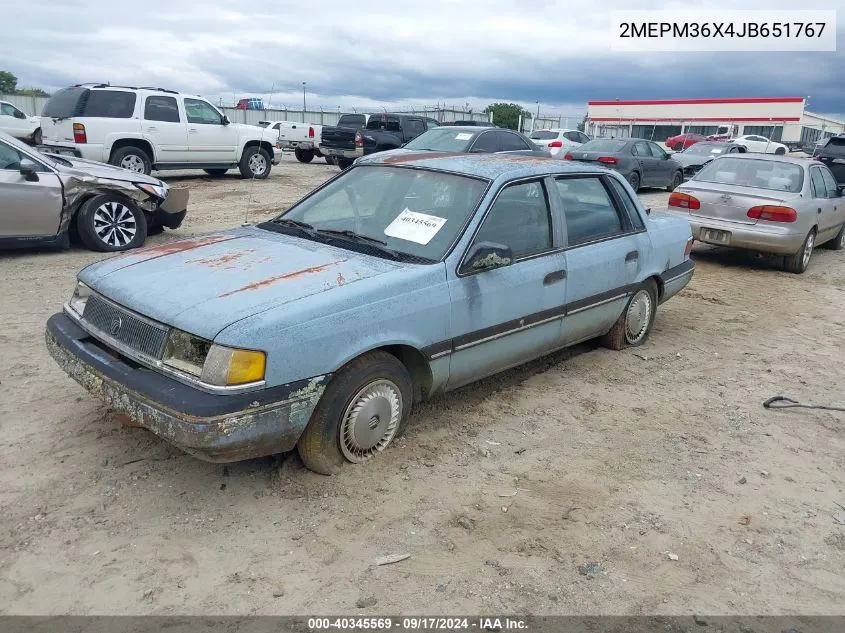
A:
(351, 120)
(834, 147)
(630, 207)
(161, 109)
(112, 104)
(512, 143)
(65, 103)
(589, 210)
(486, 142)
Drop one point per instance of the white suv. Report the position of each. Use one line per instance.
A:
(142, 129)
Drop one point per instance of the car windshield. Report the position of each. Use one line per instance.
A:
(602, 145)
(703, 150)
(445, 139)
(414, 211)
(24, 148)
(760, 174)
(544, 135)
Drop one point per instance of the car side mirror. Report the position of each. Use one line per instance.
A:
(29, 170)
(667, 156)
(648, 211)
(225, 120)
(487, 256)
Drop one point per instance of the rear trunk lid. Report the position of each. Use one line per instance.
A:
(731, 204)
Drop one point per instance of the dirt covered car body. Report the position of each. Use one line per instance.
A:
(398, 279)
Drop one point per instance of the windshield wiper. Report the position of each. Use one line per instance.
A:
(374, 242)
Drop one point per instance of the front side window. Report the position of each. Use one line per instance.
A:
(8, 109)
(589, 210)
(201, 112)
(10, 158)
(656, 150)
(817, 183)
(415, 128)
(519, 219)
(829, 183)
(415, 211)
(630, 207)
(163, 109)
(486, 142)
(511, 142)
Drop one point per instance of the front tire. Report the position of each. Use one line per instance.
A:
(343, 163)
(359, 414)
(111, 223)
(303, 155)
(780, 151)
(133, 159)
(255, 163)
(634, 324)
(634, 181)
(330, 160)
(678, 147)
(677, 179)
(798, 262)
(37, 137)
(838, 242)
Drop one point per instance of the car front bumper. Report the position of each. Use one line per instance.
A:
(212, 427)
(785, 239)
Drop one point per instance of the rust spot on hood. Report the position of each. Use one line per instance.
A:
(407, 158)
(179, 246)
(257, 285)
(226, 260)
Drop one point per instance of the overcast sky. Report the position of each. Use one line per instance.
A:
(369, 53)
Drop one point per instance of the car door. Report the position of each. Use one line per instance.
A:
(823, 202)
(209, 140)
(605, 252)
(664, 168)
(509, 315)
(28, 208)
(647, 163)
(164, 127)
(837, 217)
(12, 121)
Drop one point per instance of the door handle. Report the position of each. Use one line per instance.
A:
(152, 129)
(192, 130)
(554, 277)
(820, 209)
(633, 255)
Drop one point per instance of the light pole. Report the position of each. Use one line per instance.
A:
(534, 122)
(303, 98)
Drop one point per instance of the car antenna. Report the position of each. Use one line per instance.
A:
(252, 184)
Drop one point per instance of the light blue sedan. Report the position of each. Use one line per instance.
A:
(398, 279)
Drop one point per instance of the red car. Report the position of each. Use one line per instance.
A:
(683, 141)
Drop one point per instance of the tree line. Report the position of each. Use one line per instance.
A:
(9, 86)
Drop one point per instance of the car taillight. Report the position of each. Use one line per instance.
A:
(359, 140)
(79, 135)
(684, 201)
(556, 144)
(608, 160)
(773, 213)
(567, 157)
(688, 247)
(310, 132)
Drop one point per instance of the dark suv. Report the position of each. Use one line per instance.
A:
(832, 154)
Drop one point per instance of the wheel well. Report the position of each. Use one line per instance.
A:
(265, 145)
(659, 283)
(133, 142)
(417, 366)
(74, 212)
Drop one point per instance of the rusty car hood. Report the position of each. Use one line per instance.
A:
(205, 283)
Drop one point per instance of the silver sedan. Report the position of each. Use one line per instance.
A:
(770, 204)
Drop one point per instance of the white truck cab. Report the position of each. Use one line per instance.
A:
(142, 129)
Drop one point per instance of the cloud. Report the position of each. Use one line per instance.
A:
(370, 53)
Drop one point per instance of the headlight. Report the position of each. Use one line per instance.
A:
(159, 191)
(213, 364)
(80, 298)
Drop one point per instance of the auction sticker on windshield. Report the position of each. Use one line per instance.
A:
(463, 136)
(415, 227)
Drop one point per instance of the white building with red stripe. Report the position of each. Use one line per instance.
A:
(778, 118)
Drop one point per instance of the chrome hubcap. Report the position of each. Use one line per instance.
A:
(134, 163)
(257, 164)
(114, 224)
(808, 248)
(370, 421)
(638, 316)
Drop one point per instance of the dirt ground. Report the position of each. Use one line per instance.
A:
(499, 491)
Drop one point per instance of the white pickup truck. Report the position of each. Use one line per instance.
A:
(303, 139)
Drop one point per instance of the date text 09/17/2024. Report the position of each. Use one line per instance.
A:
(417, 624)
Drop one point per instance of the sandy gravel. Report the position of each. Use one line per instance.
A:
(499, 492)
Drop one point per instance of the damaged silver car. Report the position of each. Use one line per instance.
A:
(45, 198)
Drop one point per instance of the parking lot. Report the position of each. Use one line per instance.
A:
(658, 463)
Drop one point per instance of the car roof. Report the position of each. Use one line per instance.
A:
(775, 158)
(490, 166)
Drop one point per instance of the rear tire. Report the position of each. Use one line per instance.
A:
(215, 172)
(111, 223)
(780, 150)
(798, 262)
(634, 324)
(677, 179)
(678, 147)
(359, 413)
(255, 163)
(36, 137)
(343, 163)
(304, 155)
(330, 160)
(838, 242)
(634, 181)
(133, 159)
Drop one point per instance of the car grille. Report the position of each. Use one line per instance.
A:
(125, 327)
